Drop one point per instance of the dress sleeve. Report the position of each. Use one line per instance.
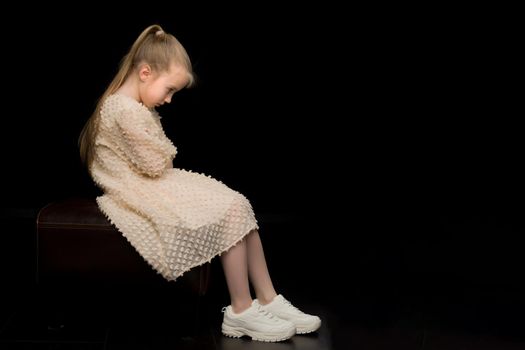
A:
(144, 144)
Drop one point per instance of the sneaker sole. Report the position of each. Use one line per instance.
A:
(237, 332)
(308, 329)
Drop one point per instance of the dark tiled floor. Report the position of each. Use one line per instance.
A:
(383, 306)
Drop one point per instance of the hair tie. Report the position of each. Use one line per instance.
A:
(159, 32)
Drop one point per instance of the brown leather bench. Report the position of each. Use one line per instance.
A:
(80, 253)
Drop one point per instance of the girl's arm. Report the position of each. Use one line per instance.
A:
(148, 153)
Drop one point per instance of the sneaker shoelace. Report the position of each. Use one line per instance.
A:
(266, 313)
(260, 310)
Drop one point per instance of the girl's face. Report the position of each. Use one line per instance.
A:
(158, 88)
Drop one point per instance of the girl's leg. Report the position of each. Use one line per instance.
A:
(247, 258)
(258, 270)
(235, 266)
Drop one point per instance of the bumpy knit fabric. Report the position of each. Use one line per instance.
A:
(176, 219)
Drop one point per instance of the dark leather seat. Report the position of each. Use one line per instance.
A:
(77, 243)
(78, 249)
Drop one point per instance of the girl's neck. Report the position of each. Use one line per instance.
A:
(130, 88)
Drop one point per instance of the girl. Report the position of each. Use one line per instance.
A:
(177, 219)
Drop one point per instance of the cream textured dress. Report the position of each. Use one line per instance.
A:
(175, 219)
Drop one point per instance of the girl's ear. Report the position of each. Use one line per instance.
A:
(145, 72)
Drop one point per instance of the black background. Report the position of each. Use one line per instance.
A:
(390, 134)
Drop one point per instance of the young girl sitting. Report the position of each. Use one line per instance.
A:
(178, 219)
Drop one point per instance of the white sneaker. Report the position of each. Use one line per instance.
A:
(282, 308)
(257, 323)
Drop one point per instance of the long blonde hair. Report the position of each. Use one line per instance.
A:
(153, 46)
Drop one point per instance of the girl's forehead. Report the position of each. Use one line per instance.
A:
(177, 75)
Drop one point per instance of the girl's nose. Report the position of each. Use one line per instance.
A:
(167, 99)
